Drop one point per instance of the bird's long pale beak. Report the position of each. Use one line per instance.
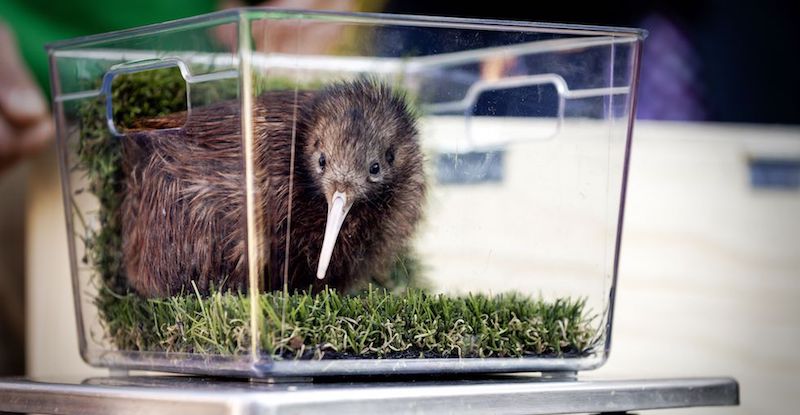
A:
(337, 210)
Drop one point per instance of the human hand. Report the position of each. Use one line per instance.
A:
(25, 123)
(496, 68)
(288, 37)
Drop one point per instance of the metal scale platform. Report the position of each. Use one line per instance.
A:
(175, 395)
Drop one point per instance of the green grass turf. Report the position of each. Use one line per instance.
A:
(373, 324)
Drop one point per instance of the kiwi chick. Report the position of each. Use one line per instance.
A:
(351, 202)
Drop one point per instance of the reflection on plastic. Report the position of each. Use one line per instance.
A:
(470, 168)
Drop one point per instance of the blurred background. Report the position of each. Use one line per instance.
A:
(709, 282)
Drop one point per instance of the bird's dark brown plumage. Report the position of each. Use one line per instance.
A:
(183, 214)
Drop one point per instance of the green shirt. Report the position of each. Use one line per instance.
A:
(38, 22)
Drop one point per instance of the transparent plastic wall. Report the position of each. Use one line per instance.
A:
(320, 194)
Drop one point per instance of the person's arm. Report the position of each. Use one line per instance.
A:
(25, 123)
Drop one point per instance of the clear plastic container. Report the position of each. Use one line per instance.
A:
(262, 192)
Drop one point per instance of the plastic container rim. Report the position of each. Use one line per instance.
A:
(357, 17)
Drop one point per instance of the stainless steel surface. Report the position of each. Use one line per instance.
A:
(506, 395)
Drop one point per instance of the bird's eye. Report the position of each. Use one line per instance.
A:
(322, 162)
(375, 168)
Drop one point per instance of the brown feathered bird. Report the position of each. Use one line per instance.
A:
(355, 192)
